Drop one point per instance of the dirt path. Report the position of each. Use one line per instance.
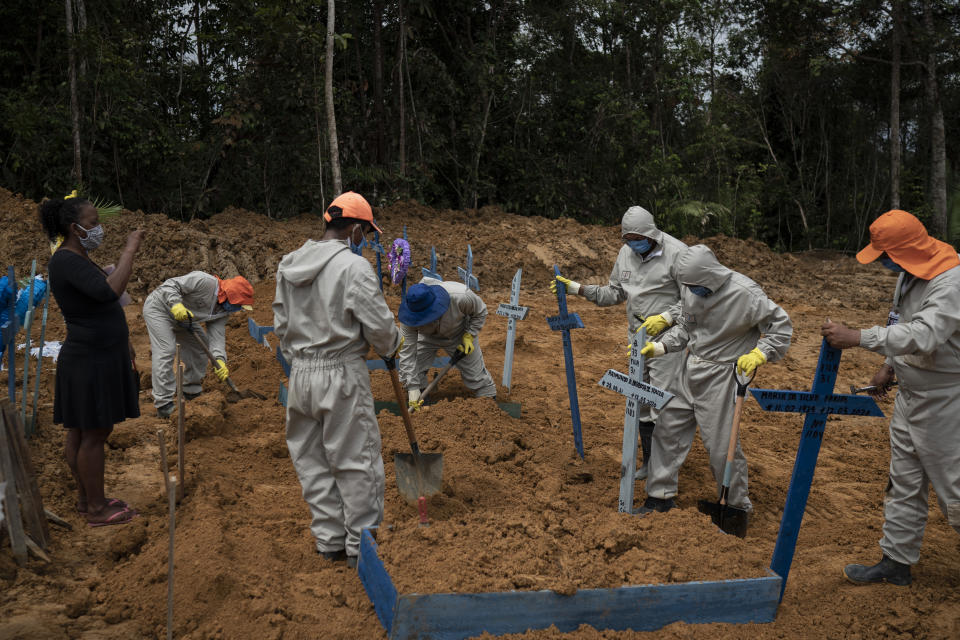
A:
(245, 561)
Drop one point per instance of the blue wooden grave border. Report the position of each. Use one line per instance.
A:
(564, 322)
(10, 337)
(452, 616)
(283, 362)
(282, 394)
(258, 331)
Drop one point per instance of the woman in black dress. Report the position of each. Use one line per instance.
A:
(95, 387)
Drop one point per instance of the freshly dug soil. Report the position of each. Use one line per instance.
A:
(518, 510)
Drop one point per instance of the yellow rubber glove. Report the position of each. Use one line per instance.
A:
(181, 313)
(655, 325)
(466, 344)
(748, 362)
(653, 350)
(221, 371)
(414, 402)
(571, 285)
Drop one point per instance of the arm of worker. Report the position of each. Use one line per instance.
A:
(280, 319)
(931, 326)
(475, 310)
(217, 337)
(120, 276)
(407, 366)
(371, 311)
(86, 277)
(610, 294)
(776, 327)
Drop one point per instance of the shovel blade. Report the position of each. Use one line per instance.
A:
(732, 520)
(408, 480)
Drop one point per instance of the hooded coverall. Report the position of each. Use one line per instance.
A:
(328, 307)
(467, 313)
(715, 330)
(649, 285)
(924, 350)
(197, 291)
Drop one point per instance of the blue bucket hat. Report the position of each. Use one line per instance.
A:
(423, 304)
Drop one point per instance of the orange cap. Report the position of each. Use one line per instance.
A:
(236, 290)
(904, 238)
(350, 205)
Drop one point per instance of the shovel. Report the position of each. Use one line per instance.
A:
(235, 394)
(419, 475)
(454, 359)
(732, 520)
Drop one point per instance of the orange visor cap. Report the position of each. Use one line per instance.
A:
(351, 205)
(904, 238)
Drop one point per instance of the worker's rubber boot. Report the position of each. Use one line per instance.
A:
(334, 556)
(192, 396)
(887, 570)
(646, 438)
(165, 410)
(651, 504)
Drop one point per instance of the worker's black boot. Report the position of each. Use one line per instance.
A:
(165, 410)
(661, 505)
(334, 556)
(646, 437)
(352, 562)
(887, 570)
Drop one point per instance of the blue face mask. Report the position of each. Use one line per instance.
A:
(890, 264)
(640, 247)
(229, 307)
(703, 292)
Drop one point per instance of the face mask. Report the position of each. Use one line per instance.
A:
(229, 307)
(94, 237)
(703, 292)
(639, 247)
(890, 264)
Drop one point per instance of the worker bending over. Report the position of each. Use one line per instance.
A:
(645, 276)
(170, 312)
(921, 343)
(723, 318)
(442, 315)
(328, 307)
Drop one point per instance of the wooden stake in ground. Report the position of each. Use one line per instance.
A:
(25, 477)
(11, 505)
(163, 460)
(28, 322)
(171, 493)
(31, 426)
(181, 445)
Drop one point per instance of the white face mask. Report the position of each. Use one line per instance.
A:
(93, 239)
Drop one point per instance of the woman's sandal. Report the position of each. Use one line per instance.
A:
(111, 502)
(123, 516)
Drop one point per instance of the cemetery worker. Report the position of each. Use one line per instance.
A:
(921, 343)
(327, 308)
(95, 382)
(645, 276)
(444, 315)
(169, 313)
(723, 319)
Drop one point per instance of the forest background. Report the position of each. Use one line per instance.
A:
(792, 121)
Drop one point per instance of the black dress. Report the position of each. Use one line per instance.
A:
(96, 385)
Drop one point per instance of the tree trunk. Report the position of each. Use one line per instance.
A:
(938, 146)
(401, 52)
(381, 146)
(74, 101)
(331, 116)
(81, 27)
(895, 107)
(201, 67)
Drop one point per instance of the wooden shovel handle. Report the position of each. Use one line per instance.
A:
(734, 431)
(404, 412)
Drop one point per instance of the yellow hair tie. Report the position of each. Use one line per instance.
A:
(56, 244)
(73, 194)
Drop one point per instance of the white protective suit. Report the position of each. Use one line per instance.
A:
(197, 291)
(649, 285)
(924, 351)
(328, 307)
(467, 313)
(715, 330)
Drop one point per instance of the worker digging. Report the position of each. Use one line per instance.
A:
(170, 313)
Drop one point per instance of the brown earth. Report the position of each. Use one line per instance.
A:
(519, 509)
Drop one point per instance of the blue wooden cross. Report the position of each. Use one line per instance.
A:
(378, 250)
(514, 312)
(467, 274)
(564, 322)
(817, 404)
(638, 393)
(358, 248)
(432, 271)
(283, 362)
